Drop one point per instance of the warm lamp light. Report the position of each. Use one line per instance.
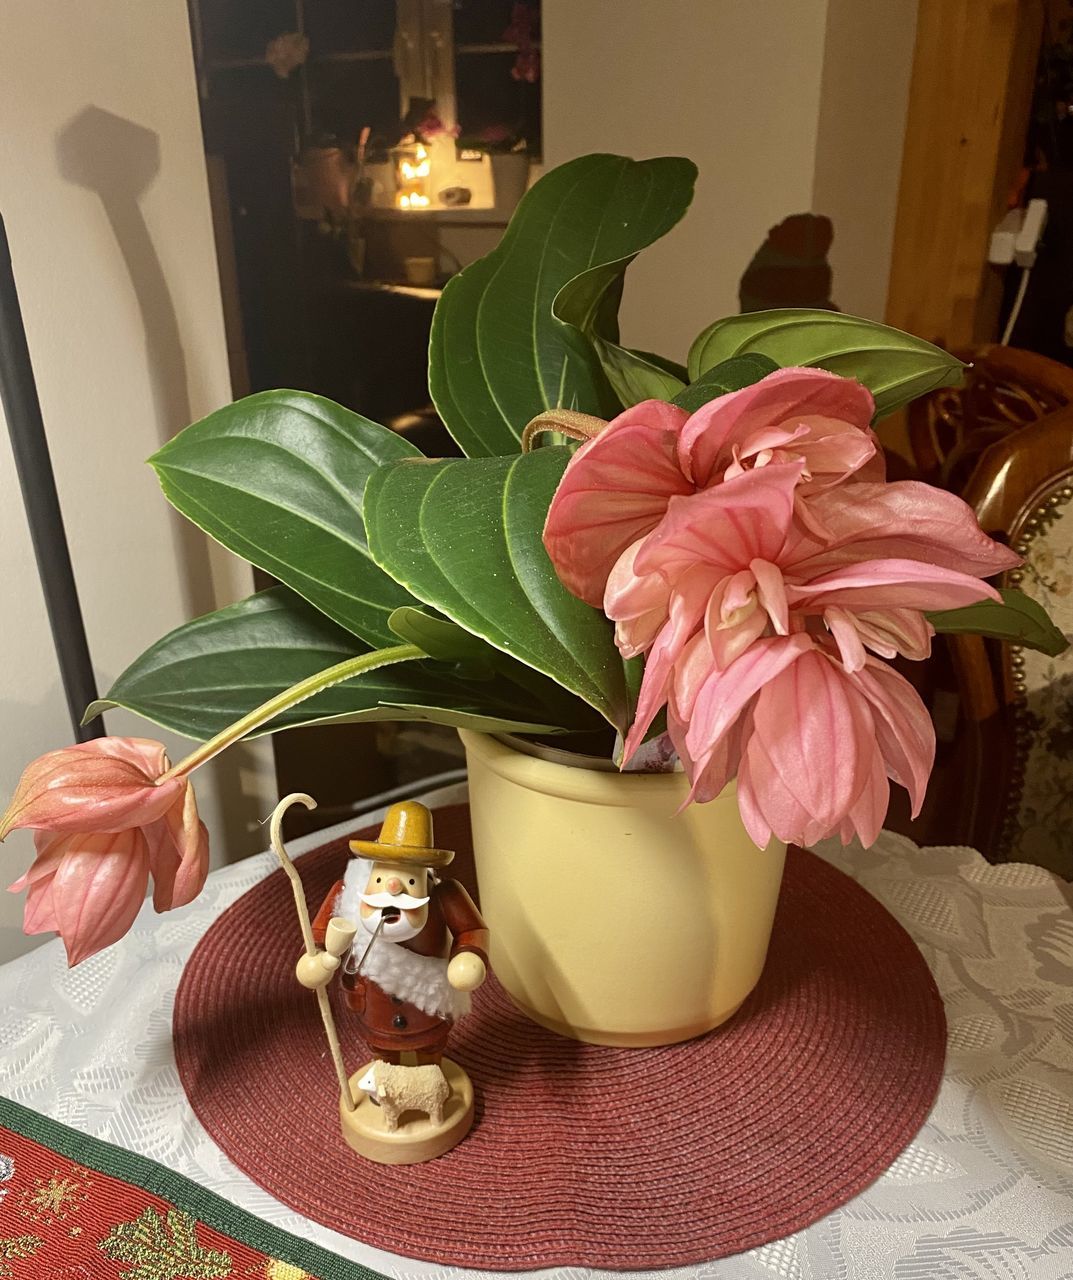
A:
(413, 169)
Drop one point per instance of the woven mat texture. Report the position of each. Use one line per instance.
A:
(581, 1155)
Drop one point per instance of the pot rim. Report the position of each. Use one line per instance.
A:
(596, 783)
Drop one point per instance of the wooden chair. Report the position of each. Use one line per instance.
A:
(1015, 766)
(1004, 391)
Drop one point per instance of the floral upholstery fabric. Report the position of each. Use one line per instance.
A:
(1042, 830)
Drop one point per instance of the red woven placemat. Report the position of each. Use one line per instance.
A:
(583, 1156)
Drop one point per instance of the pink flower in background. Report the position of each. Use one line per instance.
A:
(103, 818)
(618, 485)
(742, 553)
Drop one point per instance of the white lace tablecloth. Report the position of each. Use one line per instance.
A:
(985, 1191)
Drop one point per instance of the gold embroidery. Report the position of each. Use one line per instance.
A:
(164, 1248)
(275, 1269)
(53, 1199)
(16, 1249)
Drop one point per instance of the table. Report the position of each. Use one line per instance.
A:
(984, 1192)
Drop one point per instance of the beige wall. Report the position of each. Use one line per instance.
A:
(864, 101)
(102, 184)
(732, 84)
(787, 106)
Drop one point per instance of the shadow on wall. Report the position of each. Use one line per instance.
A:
(790, 269)
(119, 160)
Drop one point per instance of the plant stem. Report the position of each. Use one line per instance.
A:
(291, 697)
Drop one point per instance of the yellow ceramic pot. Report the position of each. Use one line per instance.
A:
(615, 919)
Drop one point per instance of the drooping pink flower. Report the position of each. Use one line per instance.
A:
(750, 555)
(735, 560)
(812, 745)
(618, 485)
(104, 818)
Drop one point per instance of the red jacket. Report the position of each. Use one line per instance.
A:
(392, 1025)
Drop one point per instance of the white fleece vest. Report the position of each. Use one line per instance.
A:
(420, 980)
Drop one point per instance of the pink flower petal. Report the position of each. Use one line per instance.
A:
(904, 731)
(100, 785)
(39, 912)
(767, 805)
(834, 449)
(843, 628)
(890, 584)
(868, 812)
(771, 591)
(722, 764)
(889, 632)
(687, 605)
(817, 736)
(728, 526)
(690, 672)
(901, 520)
(724, 694)
(728, 643)
(178, 854)
(50, 848)
(636, 603)
(614, 491)
(783, 399)
(98, 890)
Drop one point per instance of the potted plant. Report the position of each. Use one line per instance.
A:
(697, 568)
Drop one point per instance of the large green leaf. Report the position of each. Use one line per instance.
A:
(465, 536)
(589, 305)
(206, 674)
(731, 375)
(1018, 619)
(634, 377)
(894, 366)
(498, 355)
(278, 478)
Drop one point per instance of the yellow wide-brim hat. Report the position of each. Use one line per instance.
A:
(405, 837)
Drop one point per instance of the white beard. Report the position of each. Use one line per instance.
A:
(420, 980)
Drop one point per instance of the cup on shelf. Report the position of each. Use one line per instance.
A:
(420, 271)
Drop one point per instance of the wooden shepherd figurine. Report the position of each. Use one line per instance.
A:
(419, 948)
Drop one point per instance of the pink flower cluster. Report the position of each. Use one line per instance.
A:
(754, 553)
(104, 816)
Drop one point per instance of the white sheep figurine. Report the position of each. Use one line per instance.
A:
(400, 1089)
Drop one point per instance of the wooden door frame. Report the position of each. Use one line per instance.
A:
(974, 66)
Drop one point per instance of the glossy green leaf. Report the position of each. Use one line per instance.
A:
(634, 378)
(894, 366)
(208, 673)
(278, 478)
(589, 305)
(676, 370)
(498, 355)
(440, 638)
(1018, 619)
(465, 537)
(731, 375)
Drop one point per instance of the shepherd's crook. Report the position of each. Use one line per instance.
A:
(299, 797)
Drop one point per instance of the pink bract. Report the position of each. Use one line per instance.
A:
(753, 555)
(102, 822)
(617, 486)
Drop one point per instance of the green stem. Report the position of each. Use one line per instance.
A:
(291, 697)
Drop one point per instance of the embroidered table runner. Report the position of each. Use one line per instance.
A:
(72, 1207)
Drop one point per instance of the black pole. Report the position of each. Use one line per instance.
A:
(22, 408)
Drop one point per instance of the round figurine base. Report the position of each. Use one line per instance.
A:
(416, 1139)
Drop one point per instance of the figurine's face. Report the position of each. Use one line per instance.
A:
(398, 895)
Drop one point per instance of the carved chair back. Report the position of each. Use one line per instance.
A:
(1017, 797)
(1005, 390)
